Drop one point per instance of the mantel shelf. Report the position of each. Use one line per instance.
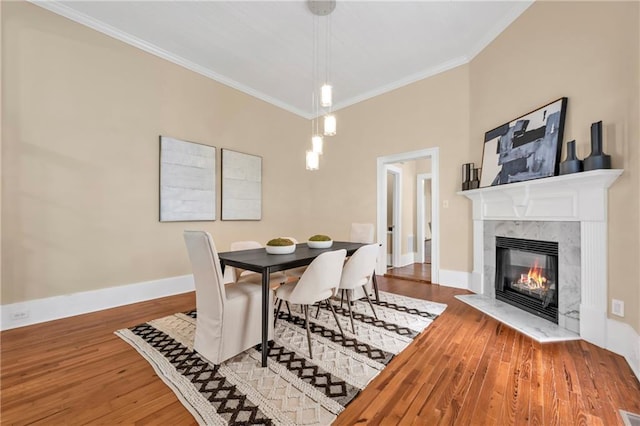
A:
(605, 176)
(577, 196)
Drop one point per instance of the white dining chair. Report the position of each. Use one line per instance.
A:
(317, 284)
(294, 273)
(361, 233)
(364, 233)
(241, 275)
(357, 273)
(229, 319)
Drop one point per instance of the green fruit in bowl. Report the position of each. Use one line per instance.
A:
(279, 242)
(320, 237)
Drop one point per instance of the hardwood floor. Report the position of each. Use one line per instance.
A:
(465, 369)
(420, 272)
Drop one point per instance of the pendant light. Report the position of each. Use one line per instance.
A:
(321, 95)
(313, 160)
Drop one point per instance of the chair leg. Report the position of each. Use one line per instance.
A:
(277, 312)
(375, 285)
(369, 300)
(305, 308)
(288, 309)
(341, 297)
(333, 311)
(350, 314)
(319, 306)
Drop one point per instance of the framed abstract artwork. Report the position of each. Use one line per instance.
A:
(187, 181)
(525, 148)
(241, 186)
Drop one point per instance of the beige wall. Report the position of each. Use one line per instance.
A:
(80, 172)
(80, 158)
(587, 51)
(1, 116)
(82, 114)
(430, 113)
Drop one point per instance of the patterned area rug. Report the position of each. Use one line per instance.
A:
(293, 389)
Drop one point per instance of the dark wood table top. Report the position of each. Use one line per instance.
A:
(258, 260)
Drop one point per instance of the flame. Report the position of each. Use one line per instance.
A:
(535, 277)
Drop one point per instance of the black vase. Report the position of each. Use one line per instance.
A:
(597, 159)
(466, 175)
(475, 179)
(571, 164)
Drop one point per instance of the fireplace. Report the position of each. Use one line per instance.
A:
(527, 275)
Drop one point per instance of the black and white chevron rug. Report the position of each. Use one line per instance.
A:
(293, 389)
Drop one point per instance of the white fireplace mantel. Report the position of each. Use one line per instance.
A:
(580, 197)
(574, 197)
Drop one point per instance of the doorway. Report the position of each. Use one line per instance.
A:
(394, 214)
(384, 239)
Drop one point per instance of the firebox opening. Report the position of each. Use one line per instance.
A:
(527, 275)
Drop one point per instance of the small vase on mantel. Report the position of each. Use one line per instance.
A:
(572, 164)
(597, 159)
(475, 179)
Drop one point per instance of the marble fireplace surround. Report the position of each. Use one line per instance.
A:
(552, 208)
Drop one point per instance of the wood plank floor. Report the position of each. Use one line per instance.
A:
(420, 272)
(465, 369)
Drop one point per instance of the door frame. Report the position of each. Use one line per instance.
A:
(381, 171)
(421, 180)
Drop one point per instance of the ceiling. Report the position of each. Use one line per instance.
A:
(265, 48)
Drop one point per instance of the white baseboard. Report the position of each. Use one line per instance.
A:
(456, 279)
(625, 341)
(52, 308)
(407, 259)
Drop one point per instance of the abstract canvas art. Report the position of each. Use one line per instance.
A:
(187, 181)
(525, 148)
(241, 186)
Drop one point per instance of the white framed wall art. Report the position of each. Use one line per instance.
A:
(187, 181)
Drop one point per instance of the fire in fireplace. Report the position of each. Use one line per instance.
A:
(527, 275)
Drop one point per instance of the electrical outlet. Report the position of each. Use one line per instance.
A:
(445, 204)
(617, 307)
(20, 315)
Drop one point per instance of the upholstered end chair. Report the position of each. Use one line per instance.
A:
(229, 316)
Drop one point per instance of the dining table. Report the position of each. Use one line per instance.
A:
(258, 260)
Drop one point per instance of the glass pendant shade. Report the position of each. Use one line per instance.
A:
(326, 95)
(316, 143)
(313, 160)
(329, 125)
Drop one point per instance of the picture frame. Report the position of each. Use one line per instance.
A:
(241, 186)
(187, 181)
(525, 148)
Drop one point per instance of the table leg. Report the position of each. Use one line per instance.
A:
(265, 315)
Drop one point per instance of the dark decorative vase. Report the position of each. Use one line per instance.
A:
(597, 159)
(475, 179)
(571, 164)
(466, 176)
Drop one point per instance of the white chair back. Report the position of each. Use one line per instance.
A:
(232, 275)
(359, 268)
(320, 279)
(210, 291)
(362, 233)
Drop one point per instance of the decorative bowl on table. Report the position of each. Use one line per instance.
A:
(319, 241)
(280, 246)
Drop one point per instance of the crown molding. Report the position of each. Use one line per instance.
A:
(403, 82)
